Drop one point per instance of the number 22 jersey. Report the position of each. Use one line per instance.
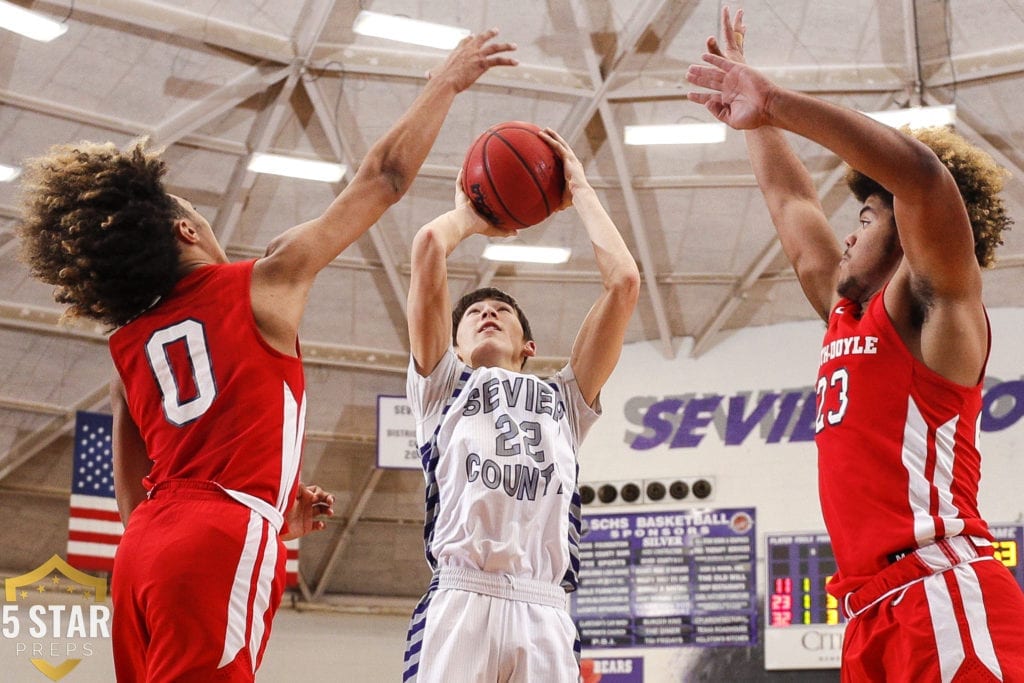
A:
(500, 467)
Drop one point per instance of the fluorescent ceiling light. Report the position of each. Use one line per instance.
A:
(522, 253)
(406, 30)
(29, 24)
(917, 117)
(292, 167)
(8, 173)
(676, 134)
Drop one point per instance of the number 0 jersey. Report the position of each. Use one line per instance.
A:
(212, 400)
(500, 467)
(898, 461)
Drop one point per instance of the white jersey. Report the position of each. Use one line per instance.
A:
(500, 466)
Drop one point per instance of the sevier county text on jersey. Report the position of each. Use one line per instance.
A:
(528, 392)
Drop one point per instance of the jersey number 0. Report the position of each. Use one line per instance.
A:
(193, 334)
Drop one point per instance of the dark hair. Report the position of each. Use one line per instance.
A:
(97, 223)
(488, 293)
(978, 177)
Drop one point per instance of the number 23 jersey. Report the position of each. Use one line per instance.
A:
(212, 400)
(500, 467)
(898, 461)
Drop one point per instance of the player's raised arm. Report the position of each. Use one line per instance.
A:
(930, 215)
(789, 192)
(598, 343)
(282, 279)
(429, 305)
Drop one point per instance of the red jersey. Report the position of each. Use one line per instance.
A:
(898, 462)
(212, 400)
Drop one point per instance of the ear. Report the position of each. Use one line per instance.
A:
(529, 349)
(186, 231)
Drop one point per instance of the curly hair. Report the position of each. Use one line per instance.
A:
(97, 224)
(977, 175)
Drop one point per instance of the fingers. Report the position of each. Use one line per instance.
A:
(705, 77)
(554, 140)
(712, 46)
(482, 37)
(715, 60)
(699, 97)
(494, 48)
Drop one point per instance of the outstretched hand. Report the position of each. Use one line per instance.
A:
(310, 502)
(742, 95)
(473, 56)
(575, 178)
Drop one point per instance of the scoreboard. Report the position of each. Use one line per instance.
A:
(799, 566)
(799, 612)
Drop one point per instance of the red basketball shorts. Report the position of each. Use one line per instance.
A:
(197, 579)
(961, 625)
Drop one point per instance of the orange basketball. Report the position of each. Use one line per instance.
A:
(513, 178)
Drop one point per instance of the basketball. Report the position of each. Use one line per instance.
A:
(513, 178)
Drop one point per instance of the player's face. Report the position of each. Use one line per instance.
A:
(872, 252)
(491, 335)
(207, 238)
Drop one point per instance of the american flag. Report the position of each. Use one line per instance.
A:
(94, 527)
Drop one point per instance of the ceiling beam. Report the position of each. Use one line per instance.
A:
(264, 127)
(577, 119)
(344, 151)
(249, 82)
(172, 20)
(268, 121)
(614, 138)
(26, 448)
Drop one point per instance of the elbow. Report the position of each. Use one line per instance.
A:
(625, 284)
(388, 174)
(927, 174)
(428, 244)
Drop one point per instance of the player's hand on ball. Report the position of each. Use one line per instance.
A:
(575, 178)
(480, 224)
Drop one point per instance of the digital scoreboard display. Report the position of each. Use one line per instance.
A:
(799, 566)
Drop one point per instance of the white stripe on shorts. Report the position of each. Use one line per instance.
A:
(238, 604)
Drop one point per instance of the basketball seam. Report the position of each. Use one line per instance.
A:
(529, 169)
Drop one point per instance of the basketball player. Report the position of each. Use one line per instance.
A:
(900, 375)
(208, 398)
(499, 455)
